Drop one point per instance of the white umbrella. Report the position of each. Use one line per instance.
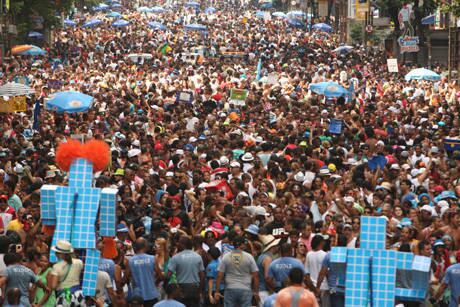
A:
(15, 89)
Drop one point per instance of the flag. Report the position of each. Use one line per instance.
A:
(259, 68)
(165, 48)
(37, 108)
(351, 91)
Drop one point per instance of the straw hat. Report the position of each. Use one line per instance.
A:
(63, 247)
(269, 241)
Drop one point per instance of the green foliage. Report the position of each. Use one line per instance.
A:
(453, 7)
(356, 33)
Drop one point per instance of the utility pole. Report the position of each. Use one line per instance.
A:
(449, 50)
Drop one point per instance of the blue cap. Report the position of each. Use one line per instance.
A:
(122, 228)
(189, 147)
(252, 229)
(438, 243)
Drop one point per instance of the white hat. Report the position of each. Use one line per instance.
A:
(299, 177)
(179, 152)
(349, 199)
(380, 142)
(443, 210)
(247, 157)
(442, 203)
(259, 139)
(434, 149)
(415, 172)
(259, 210)
(406, 166)
(427, 208)
(169, 174)
(192, 139)
(223, 160)
(133, 152)
(235, 164)
(136, 143)
(395, 166)
(63, 247)
(18, 168)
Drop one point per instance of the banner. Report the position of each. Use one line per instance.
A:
(335, 127)
(392, 65)
(451, 145)
(238, 96)
(14, 104)
(184, 97)
(54, 84)
(362, 9)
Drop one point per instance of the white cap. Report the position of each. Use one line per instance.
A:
(192, 139)
(259, 210)
(223, 160)
(299, 177)
(179, 152)
(133, 152)
(136, 143)
(427, 208)
(235, 164)
(415, 172)
(169, 174)
(349, 199)
(395, 166)
(381, 143)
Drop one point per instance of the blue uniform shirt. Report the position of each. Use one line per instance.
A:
(279, 269)
(452, 279)
(142, 267)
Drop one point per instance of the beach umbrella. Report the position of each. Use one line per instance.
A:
(92, 23)
(158, 9)
(69, 101)
(328, 89)
(266, 5)
(279, 14)
(192, 4)
(156, 25)
(101, 7)
(120, 23)
(297, 14)
(12, 89)
(422, 74)
(116, 6)
(114, 15)
(144, 9)
(27, 50)
(196, 27)
(343, 49)
(210, 10)
(260, 14)
(295, 23)
(69, 23)
(34, 34)
(322, 27)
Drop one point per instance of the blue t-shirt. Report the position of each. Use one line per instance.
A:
(279, 269)
(452, 279)
(211, 273)
(142, 267)
(169, 303)
(270, 301)
(260, 260)
(19, 276)
(333, 281)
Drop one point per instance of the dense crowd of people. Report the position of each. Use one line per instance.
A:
(224, 201)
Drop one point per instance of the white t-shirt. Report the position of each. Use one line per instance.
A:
(313, 264)
(103, 283)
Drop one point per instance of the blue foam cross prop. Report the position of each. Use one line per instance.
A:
(74, 210)
(369, 273)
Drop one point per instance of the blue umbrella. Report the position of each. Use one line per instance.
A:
(322, 27)
(69, 23)
(114, 15)
(260, 14)
(144, 9)
(120, 23)
(429, 20)
(156, 25)
(196, 27)
(69, 101)
(34, 34)
(192, 4)
(295, 23)
(116, 5)
(343, 49)
(279, 14)
(92, 23)
(158, 9)
(422, 74)
(297, 14)
(210, 10)
(328, 89)
(266, 5)
(33, 50)
(101, 7)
